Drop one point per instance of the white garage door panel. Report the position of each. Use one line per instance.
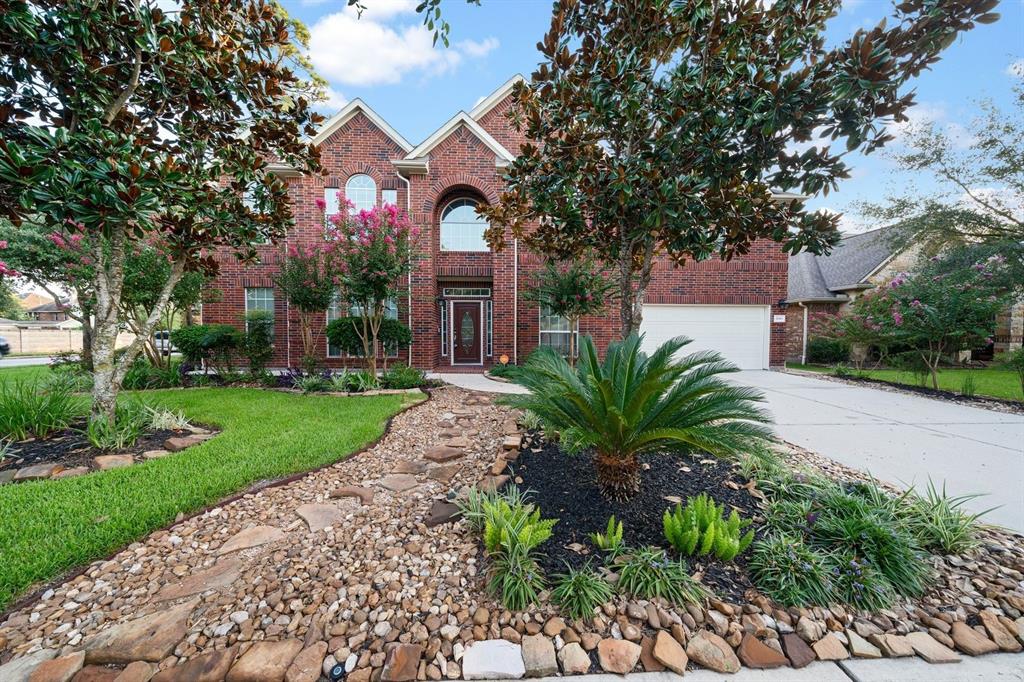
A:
(739, 332)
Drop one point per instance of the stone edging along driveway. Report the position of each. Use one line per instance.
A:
(360, 564)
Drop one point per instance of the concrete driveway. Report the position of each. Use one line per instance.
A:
(903, 438)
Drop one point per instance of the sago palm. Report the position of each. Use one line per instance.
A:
(633, 403)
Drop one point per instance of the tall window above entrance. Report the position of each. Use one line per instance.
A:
(462, 229)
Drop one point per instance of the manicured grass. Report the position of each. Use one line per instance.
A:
(994, 382)
(24, 373)
(49, 527)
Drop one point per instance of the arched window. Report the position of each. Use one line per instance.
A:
(462, 229)
(361, 190)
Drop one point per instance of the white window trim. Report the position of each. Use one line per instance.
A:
(440, 228)
(273, 303)
(451, 334)
(541, 332)
(464, 292)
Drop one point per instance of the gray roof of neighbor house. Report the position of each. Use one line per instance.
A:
(823, 278)
(50, 307)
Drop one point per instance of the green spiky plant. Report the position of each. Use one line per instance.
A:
(701, 527)
(611, 539)
(633, 403)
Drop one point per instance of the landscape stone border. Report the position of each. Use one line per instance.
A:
(56, 471)
(353, 566)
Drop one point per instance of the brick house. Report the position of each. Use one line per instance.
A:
(821, 287)
(462, 301)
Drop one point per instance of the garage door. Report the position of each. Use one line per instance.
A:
(739, 332)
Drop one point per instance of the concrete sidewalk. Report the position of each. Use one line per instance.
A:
(994, 667)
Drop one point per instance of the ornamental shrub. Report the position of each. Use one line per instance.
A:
(258, 345)
(822, 350)
(189, 342)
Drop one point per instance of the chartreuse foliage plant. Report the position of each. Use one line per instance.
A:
(632, 403)
(579, 591)
(611, 539)
(701, 527)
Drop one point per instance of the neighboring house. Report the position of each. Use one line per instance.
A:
(31, 299)
(48, 312)
(820, 287)
(464, 302)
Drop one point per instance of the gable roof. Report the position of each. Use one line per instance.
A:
(847, 267)
(454, 123)
(492, 100)
(354, 107)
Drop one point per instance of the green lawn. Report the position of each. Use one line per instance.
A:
(49, 527)
(997, 383)
(26, 372)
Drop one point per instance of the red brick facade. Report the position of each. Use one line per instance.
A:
(819, 318)
(461, 164)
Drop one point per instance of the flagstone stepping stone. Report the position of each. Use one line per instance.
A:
(999, 633)
(308, 664)
(860, 647)
(927, 648)
(7, 475)
(58, 669)
(222, 574)
(71, 473)
(797, 651)
(669, 653)
(407, 467)
(208, 667)
(365, 495)
(440, 512)
(320, 516)
(265, 661)
(402, 663)
(711, 651)
(970, 642)
(253, 536)
(399, 482)
(37, 471)
(97, 673)
(443, 453)
(617, 655)
(493, 659)
(149, 638)
(443, 472)
(19, 669)
(647, 660)
(756, 654)
(179, 443)
(892, 646)
(574, 659)
(829, 648)
(139, 671)
(458, 442)
(105, 462)
(155, 454)
(539, 656)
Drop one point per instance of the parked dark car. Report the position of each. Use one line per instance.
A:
(5, 347)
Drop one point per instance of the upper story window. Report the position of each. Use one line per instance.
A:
(361, 190)
(462, 229)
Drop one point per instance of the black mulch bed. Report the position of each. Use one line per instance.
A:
(563, 486)
(71, 448)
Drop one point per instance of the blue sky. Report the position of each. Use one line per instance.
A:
(386, 58)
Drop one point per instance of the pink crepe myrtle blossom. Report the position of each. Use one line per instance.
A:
(897, 318)
(320, 204)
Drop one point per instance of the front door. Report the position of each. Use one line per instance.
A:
(466, 337)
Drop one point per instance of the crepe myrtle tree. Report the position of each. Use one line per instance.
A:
(308, 281)
(119, 123)
(936, 311)
(371, 251)
(659, 127)
(34, 254)
(571, 290)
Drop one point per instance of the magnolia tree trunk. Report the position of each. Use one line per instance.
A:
(109, 371)
(633, 289)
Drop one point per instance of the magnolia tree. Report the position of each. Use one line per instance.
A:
(308, 281)
(119, 122)
(371, 251)
(933, 313)
(659, 129)
(571, 290)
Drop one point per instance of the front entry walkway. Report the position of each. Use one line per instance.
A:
(904, 439)
(477, 382)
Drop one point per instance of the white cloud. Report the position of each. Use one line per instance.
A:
(1016, 69)
(852, 5)
(478, 48)
(383, 45)
(849, 223)
(335, 100)
(923, 115)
